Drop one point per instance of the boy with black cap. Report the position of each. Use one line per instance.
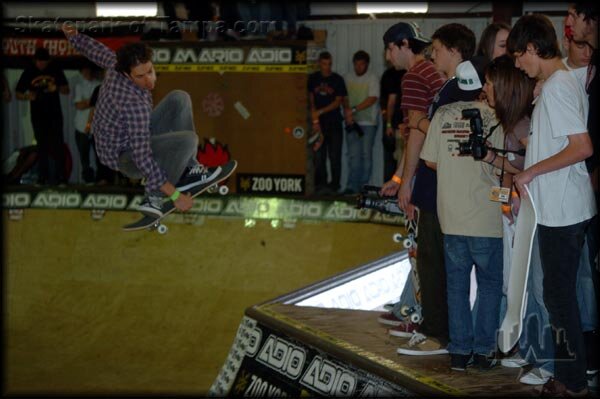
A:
(40, 84)
(470, 222)
(404, 49)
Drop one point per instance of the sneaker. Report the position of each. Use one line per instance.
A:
(197, 175)
(515, 361)
(485, 362)
(389, 319)
(151, 206)
(460, 362)
(405, 329)
(537, 376)
(421, 345)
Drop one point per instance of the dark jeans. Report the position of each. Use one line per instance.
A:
(432, 277)
(560, 249)
(48, 133)
(84, 143)
(389, 163)
(332, 146)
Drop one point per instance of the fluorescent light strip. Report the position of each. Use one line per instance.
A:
(126, 9)
(381, 8)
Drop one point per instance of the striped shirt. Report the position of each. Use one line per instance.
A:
(122, 116)
(419, 86)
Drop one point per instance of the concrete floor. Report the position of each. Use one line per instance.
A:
(91, 309)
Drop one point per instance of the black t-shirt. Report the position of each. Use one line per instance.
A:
(325, 90)
(45, 84)
(391, 84)
(592, 123)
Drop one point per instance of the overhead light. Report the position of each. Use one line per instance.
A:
(381, 8)
(126, 9)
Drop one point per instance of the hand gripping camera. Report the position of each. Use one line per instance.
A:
(369, 198)
(476, 145)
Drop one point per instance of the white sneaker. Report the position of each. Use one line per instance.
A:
(536, 376)
(515, 361)
(151, 206)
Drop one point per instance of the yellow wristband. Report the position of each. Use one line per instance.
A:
(505, 208)
(389, 124)
(515, 194)
(397, 179)
(175, 195)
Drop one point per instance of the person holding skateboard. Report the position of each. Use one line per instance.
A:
(159, 144)
(557, 178)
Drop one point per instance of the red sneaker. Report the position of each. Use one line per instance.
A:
(389, 319)
(405, 329)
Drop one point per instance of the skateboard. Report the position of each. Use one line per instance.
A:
(410, 300)
(516, 296)
(155, 223)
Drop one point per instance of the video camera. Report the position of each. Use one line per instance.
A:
(369, 198)
(476, 145)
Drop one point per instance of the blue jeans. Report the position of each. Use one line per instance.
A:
(460, 253)
(173, 139)
(560, 252)
(360, 157)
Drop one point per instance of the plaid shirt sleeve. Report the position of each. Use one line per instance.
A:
(93, 50)
(137, 120)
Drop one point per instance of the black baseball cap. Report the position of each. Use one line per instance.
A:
(404, 30)
(42, 54)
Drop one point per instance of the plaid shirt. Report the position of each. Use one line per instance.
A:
(122, 116)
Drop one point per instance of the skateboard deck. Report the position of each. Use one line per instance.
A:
(409, 304)
(153, 222)
(512, 325)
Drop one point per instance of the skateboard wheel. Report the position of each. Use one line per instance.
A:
(397, 237)
(404, 310)
(407, 243)
(415, 318)
(162, 229)
(223, 190)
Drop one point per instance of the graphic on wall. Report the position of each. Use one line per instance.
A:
(213, 153)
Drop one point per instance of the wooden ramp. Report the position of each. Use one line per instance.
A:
(306, 351)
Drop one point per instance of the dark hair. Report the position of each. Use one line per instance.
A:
(488, 38)
(325, 55)
(513, 91)
(587, 8)
(361, 55)
(131, 55)
(457, 36)
(538, 30)
(416, 46)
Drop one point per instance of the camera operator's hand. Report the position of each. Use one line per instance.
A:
(184, 202)
(389, 189)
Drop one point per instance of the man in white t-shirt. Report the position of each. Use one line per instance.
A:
(557, 178)
(83, 137)
(361, 108)
(470, 221)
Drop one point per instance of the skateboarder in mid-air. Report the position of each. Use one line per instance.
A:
(157, 144)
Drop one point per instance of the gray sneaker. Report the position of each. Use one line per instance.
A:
(151, 206)
(197, 175)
